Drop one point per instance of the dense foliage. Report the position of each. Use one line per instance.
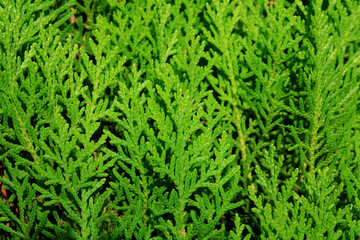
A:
(184, 119)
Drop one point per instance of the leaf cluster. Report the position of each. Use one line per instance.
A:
(179, 119)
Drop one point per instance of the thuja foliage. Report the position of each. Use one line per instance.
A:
(179, 119)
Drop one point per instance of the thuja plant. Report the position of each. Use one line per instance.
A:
(291, 82)
(179, 119)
